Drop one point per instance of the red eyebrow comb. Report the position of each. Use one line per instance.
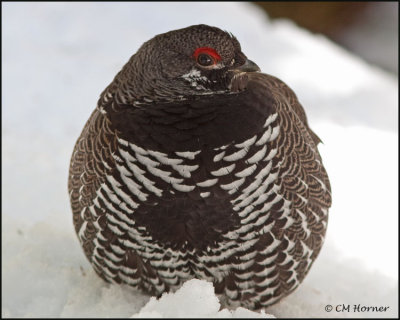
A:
(210, 51)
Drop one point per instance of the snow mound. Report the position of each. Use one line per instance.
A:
(195, 299)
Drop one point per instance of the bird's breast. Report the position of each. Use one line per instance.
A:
(188, 197)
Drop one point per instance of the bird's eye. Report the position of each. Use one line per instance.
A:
(205, 60)
(206, 56)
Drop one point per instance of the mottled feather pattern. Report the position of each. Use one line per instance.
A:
(227, 187)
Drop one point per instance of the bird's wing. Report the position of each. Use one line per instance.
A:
(279, 87)
(295, 224)
(91, 161)
(93, 164)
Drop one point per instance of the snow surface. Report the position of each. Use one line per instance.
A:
(58, 57)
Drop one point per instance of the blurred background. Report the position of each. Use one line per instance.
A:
(353, 25)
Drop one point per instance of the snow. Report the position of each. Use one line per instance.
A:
(58, 57)
(196, 299)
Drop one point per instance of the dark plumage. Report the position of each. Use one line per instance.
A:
(195, 165)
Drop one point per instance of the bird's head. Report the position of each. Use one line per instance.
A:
(183, 64)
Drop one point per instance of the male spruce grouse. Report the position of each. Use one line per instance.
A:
(195, 165)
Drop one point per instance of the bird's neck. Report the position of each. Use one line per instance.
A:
(189, 125)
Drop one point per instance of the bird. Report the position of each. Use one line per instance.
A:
(195, 164)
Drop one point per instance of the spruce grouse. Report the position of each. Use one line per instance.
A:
(196, 165)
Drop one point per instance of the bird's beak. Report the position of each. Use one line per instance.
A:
(248, 66)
